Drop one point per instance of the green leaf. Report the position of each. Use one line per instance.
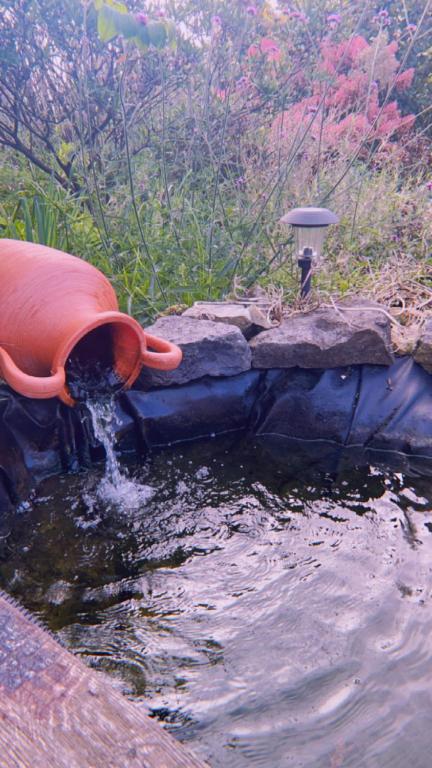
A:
(106, 24)
(114, 19)
(170, 30)
(27, 220)
(116, 6)
(157, 33)
(127, 25)
(40, 221)
(140, 44)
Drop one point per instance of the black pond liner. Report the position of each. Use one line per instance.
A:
(323, 418)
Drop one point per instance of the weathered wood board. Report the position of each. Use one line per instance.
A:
(56, 712)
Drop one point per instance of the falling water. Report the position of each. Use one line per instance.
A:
(115, 488)
(102, 417)
(94, 384)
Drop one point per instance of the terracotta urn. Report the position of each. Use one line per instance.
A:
(53, 304)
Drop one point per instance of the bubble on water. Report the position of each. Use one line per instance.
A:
(84, 522)
(202, 473)
(127, 493)
(181, 488)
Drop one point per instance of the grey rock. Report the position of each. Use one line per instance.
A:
(247, 317)
(357, 333)
(423, 351)
(209, 349)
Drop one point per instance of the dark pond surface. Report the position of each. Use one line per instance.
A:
(268, 617)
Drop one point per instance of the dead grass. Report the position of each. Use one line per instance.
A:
(402, 287)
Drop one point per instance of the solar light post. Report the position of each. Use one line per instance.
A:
(310, 229)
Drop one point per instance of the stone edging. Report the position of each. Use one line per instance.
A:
(222, 339)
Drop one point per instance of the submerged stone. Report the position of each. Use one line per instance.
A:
(356, 333)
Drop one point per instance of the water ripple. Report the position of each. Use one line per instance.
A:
(267, 621)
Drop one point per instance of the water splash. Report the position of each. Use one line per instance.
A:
(94, 383)
(115, 488)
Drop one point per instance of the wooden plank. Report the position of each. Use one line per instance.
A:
(55, 711)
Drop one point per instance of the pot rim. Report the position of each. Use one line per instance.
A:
(103, 318)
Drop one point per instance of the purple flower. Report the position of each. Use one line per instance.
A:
(300, 16)
(216, 21)
(382, 18)
(252, 10)
(141, 18)
(429, 186)
(161, 14)
(411, 27)
(243, 83)
(333, 20)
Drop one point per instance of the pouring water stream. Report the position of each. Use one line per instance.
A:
(115, 488)
(94, 386)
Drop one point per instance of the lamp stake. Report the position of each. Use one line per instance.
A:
(305, 264)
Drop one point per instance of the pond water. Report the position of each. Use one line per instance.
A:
(269, 617)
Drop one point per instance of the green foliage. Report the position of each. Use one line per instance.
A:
(42, 212)
(114, 19)
(156, 161)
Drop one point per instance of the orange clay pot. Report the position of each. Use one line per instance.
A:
(49, 302)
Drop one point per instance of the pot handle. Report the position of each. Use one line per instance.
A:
(40, 387)
(166, 357)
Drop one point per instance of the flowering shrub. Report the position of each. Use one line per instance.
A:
(348, 110)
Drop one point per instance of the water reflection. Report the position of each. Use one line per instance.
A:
(270, 615)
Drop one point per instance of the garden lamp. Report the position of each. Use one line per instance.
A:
(310, 225)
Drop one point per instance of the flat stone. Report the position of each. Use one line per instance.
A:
(423, 351)
(209, 349)
(250, 319)
(354, 334)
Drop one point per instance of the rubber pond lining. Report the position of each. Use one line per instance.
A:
(334, 416)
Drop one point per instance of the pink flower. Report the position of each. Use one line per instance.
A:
(348, 51)
(270, 49)
(216, 21)
(253, 51)
(221, 93)
(252, 10)
(141, 18)
(404, 80)
(429, 186)
(411, 27)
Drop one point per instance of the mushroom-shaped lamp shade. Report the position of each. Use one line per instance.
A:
(310, 225)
